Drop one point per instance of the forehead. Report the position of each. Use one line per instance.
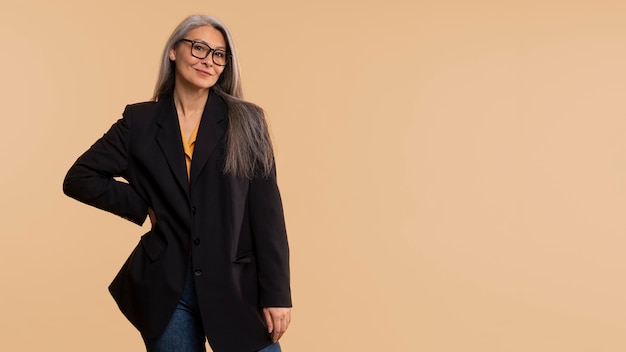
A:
(207, 34)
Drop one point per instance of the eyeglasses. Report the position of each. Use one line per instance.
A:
(201, 50)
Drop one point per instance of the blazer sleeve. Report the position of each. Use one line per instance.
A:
(270, 239)
(91, 178)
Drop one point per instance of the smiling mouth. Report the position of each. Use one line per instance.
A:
(204, 73)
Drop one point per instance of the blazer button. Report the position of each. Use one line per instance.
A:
(193, 210)
(198, 272)
(196, 241)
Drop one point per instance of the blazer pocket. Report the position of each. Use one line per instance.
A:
(244, 258)
(153, 245)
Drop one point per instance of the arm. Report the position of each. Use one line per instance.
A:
(272, 253)
(91, 178)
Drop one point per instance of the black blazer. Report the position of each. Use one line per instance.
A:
(230, 230)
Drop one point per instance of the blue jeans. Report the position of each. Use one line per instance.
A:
(184, 332)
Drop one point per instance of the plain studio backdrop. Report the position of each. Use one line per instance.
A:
(453, 172)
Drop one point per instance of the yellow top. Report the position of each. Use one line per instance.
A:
(188, 145)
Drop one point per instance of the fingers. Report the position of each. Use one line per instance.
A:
(278, 321)
(268, 320)
(279, 329)
(284, 321)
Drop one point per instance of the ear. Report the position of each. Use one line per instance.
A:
(172, 54)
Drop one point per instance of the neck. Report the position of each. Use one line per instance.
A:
(189, 102)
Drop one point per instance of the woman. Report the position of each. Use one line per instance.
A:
(198, 162)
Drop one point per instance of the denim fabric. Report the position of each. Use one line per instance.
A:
(184, 332)
(275, 347)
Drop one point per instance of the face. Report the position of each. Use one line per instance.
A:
(192, 72)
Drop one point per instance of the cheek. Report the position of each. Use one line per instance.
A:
(184, 66)
(219, 70)
(178, 70)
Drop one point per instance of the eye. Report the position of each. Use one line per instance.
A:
(199, 48)
(219, 53)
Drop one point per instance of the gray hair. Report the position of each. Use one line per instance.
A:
(248, 145)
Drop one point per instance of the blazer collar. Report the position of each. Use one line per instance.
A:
(171, 143)
(210, 132)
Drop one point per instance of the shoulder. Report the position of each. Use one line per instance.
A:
(141, 108)
(149, 112)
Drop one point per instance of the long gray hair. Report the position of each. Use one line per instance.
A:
(248, 145)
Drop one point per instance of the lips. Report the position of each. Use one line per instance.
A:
(203, 73)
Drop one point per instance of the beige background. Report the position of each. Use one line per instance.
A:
(453, 172)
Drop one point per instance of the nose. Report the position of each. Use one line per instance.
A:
(208, 60)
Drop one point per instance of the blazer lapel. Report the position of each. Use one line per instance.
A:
(171, 143)
(210, 133)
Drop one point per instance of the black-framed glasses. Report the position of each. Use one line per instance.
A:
(201, 50)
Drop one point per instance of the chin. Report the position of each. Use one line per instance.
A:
(204, 85)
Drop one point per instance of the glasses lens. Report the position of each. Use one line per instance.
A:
(220, 57)
(199, 50)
